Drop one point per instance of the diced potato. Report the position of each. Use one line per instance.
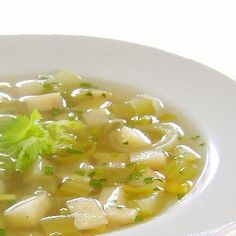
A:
(75, 186)
(27, 213)
(175, 188)
(67, 78)
(148, 178)
(113, 172)
(88, 213)
(184, 165)
(155, 159)
(121, 215)
(62, 224)
(37, 175)
(82, 93)
(43, 102)
(95, 117)
(150, 205)
(186, 153)
(110, 196)
(103, 157)
(127, 139)
(29, 87)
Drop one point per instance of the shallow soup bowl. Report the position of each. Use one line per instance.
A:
(206, 97)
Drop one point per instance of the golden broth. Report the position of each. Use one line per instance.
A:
(79, 160)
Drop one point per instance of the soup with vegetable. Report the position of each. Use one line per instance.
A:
(77, 160)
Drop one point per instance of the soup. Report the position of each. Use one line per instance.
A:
(78, 160)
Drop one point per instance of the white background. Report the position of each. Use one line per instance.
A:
(203, 30)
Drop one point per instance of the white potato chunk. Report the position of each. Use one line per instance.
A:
(156, 179)
(95, 117)
(111, 196)
(95, 93)
(155, 159)
(29, 87)
(126, 139)
(88, 213)
(27, 213)
(43, 102)
(121, 215)
(67, 78)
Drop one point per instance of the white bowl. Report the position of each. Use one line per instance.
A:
(204, 95)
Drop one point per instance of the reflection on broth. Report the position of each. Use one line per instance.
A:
(77, 160)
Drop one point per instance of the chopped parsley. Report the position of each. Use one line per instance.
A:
(89, 94)
(3, 232)
(56, 111)
(80, 172)
(135, 175)
(180, 195)
(182, 170)
(49, 86)
(156, 188)
(91, 174)
(87, 85)
(48, 170)
(119, 207)
(138, 218)
(97, 183)
(104, 95)
(63, 211)
(195, 137)
(75, 150)
(150, 180)
(78, 111)
(201, 144)
(125, 143)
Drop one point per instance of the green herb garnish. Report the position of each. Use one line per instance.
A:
(156, 188)
(87, 85)
(26, 138)
(48, 170)
(104, 95)
(201, 144)
(195, 137)
(56, 111)
(180, 195)
(80, 172)
(91, 174)
(97, 183)
(75, 150)
(150, 180)
(89, 94)
(125, 143)
(49, 86)
(3, 232)
(135, 175)
(138, 218)
(181, 171)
